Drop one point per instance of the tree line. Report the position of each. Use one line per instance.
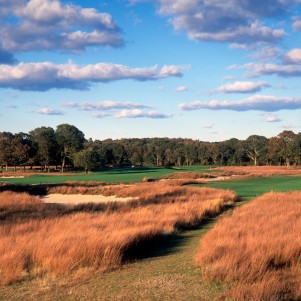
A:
(67, 147)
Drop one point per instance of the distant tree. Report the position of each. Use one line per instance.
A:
(13, 150)
(119, 153)
(6, 148)
(190, 153)
(22, 149)
(179, 154)
(296, 149)
(203, 153)
(214, 152)
(168, 156)
(274, 151)
(256, 148)
(286, 144)
(87, 159)
(234, 153)
(70, 140)
(46, 144)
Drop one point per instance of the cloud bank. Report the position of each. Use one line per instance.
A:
(51, 25)
(103, 105)
(48, 111)
(257, 102)
(241, 87)
(110, 108)
(45, 76)
(234, 21)
(137, 113)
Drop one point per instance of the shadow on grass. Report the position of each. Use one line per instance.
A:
(130, 170)
(164, 245)
(161, 245)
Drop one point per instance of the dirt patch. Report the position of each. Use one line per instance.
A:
(81, 199)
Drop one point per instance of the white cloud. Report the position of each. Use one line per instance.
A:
(109, 105)
(257, 102)
(234, 21)
(293, 56)
(242, 87)
(45, 75)
(70, 104)
(48, 111)
(52, 25)
(266, 53)
(109, 108)
(100, 115)
(181, 89)
(297, 24)
(257, 70)
(272, 118)
(137, 113)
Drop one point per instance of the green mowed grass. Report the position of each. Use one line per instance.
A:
(117, 175)
(252, 187)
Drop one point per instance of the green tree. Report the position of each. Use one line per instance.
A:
(13, 150)
(88, 159)
(6, 148)
(256, 149)
(70, 140)
(46, 144)
(296, 149)
(286, 144)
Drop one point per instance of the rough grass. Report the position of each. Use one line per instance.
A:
(63, 244)
(147, 192)
(261, 170)
(257, 250)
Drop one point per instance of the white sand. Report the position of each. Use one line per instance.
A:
(12, 177)
(81, 199)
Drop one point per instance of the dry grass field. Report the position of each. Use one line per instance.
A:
(61, 240)
(261, 170)
(257, 250)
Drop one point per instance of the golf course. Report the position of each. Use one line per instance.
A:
(147, 268)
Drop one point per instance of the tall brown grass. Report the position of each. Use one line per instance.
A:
(257, 249)
(20, 201)
(260, 170)
(148, 191)
(60, 245)
(13, 205)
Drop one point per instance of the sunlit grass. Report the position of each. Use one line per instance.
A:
(257, 249)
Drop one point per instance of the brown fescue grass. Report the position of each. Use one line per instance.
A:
(12, 205)
(260, 170)
(20, 201)
(257, 249)
(121, 190)
(61, 245)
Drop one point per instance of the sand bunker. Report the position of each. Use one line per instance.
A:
(75, 199)
(12, 177)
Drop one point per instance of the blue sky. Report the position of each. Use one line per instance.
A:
(202, 69)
